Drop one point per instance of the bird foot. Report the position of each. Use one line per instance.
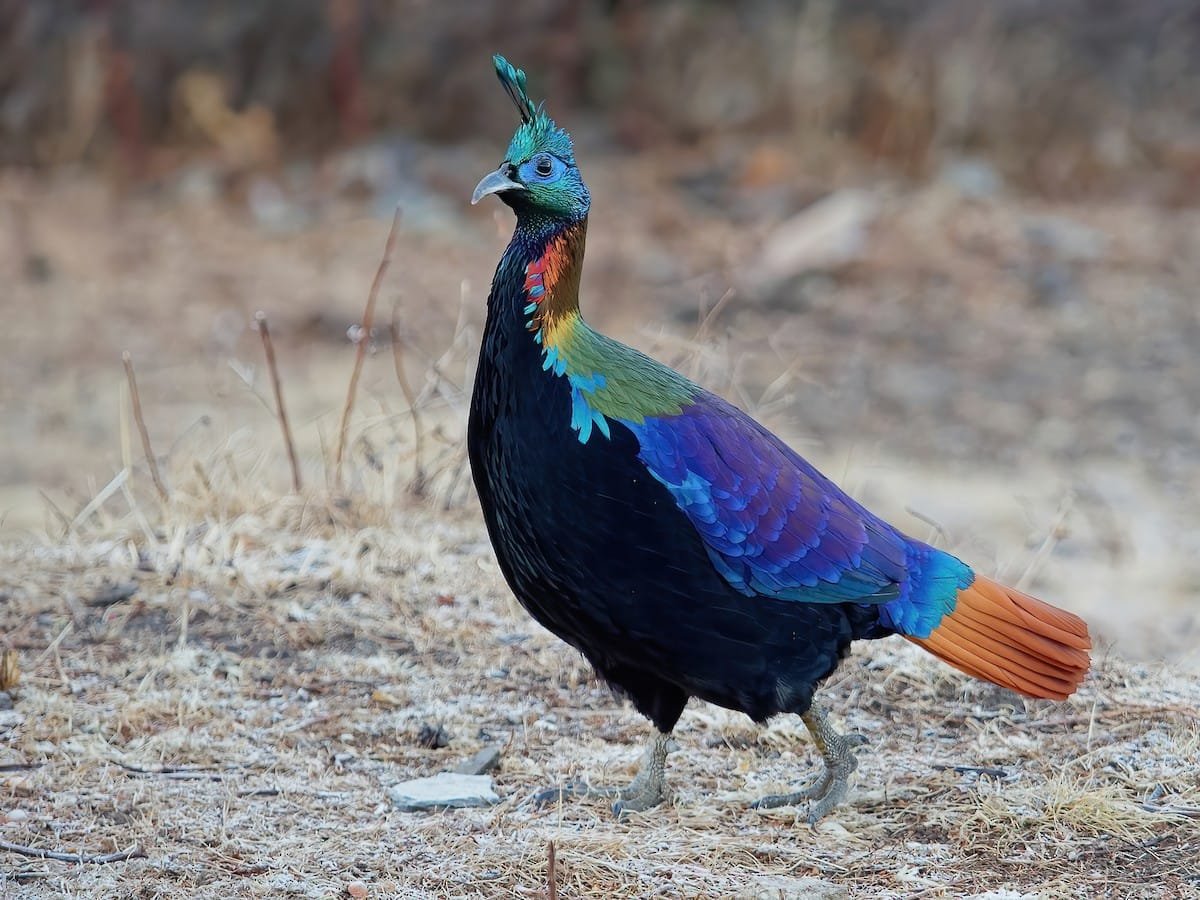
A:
(571, 790)
(822, 797)
(828, 791)
(814, 791)
(638, 796)
(647, 790)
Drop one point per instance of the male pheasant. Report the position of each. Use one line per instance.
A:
(679, 545)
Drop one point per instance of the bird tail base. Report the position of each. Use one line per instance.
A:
(1009, 638)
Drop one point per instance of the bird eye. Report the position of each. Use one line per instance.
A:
(543, 166)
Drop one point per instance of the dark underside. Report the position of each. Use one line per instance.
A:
(599, 553)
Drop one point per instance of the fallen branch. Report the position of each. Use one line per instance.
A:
(1165, 809)
(990, 771)
(260, 322)
(1187, 812)
(176, 773)
(551, 875)
(133, 852)
(136, 401)
(364, 337)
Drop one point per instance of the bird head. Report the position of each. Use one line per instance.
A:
(538, 177)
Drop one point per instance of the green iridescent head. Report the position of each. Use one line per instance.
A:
(538, 176)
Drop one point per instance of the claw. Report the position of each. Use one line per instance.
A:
(824, 795)
(635, 803)
(557, 793)
(647, 790)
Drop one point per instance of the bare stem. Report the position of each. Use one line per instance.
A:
(136, 401)
(133, 852)
(418, 482)
(260, 322)
(368, 319)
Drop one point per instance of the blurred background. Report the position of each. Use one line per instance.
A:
(949, 250)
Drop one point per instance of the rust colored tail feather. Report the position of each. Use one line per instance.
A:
(1004, 636)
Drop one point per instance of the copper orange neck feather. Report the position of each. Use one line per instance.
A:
(552, 285)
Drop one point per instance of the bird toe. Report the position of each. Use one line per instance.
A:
(557, 793)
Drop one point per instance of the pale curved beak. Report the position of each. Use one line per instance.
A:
(495, 183)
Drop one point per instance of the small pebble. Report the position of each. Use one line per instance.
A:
(16, 815)
(357, 890)
(481, 763)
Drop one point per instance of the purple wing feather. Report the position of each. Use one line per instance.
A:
(775, 526)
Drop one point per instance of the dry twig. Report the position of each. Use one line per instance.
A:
(136, 401)
(133, 852)
(174, 773)
(364, 337)
(418, 482)
(260, 322)
(990, 771)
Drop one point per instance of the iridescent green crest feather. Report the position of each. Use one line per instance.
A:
(537, 131)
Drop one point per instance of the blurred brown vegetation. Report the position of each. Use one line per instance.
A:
(1062, 96)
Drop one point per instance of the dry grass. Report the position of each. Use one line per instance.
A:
(240, 714)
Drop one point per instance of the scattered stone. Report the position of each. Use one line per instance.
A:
(973, 178)
(356, 889)
(198, 184)
(786, 887)
(445, 791)
(432, 737)
(6, 700)
(271, 207)
(10, 718)
(112, 594)
(1065, 240)
(481, 763)
(825, 235)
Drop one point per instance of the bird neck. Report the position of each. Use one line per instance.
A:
(540, 271)
(535, 336)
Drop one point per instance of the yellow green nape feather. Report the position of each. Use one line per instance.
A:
(614, 380)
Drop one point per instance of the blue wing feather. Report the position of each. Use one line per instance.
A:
(774, 526)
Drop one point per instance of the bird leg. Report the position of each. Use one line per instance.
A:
(647, 790)
(830, 789)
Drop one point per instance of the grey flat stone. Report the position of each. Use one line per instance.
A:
(449, 790)
(785, 887)
(484, 761)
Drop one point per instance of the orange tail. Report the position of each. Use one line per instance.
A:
(1011, 639)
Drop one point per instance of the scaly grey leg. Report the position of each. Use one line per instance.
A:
(840, 762)
(647, 790)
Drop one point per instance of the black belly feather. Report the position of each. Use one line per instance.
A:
(600, 554)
